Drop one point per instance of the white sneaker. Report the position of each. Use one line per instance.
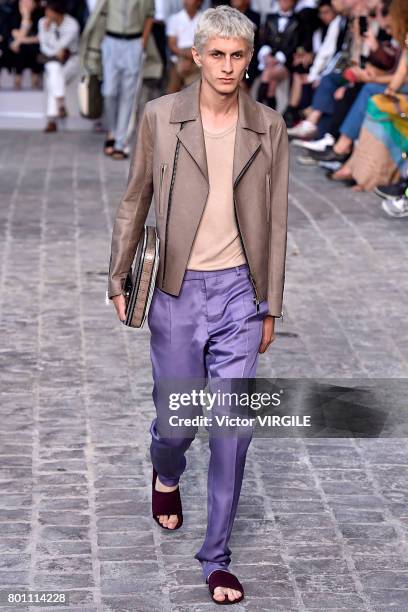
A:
(396, 208)
(315, 145)
(304, 129)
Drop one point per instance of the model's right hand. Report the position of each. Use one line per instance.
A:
(120, 305)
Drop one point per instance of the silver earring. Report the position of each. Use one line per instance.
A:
(246, 73)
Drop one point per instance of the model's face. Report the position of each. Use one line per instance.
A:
(223, 62)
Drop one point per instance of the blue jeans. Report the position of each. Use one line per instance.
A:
(352, 124)
(323, 100)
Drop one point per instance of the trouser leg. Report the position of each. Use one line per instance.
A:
(210, 331)
(55, 87)
(111, 81)
(178, 337)
(132, 58)
(232, 354)
(58, 75)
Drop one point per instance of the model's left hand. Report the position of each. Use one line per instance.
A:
(268, 333)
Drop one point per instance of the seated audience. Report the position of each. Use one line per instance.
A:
(282, 36)
(59, 42)
(383, 140)
(24, 47)
(304, 81)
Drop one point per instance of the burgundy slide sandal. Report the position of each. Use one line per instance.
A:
(222, 578)
(166, 503)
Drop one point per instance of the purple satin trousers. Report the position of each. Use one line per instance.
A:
(210, 330)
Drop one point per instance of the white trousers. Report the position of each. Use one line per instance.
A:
(57, 77)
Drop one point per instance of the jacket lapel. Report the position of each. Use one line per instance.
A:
(186, 108)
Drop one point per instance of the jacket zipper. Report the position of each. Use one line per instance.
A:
(173, 176)
(163, 169)
(256, 296)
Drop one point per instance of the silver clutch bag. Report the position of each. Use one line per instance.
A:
(140, 281)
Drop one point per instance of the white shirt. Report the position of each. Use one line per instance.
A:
(183, 28)
(165, 8)
(91, 4)
(56, 38)
(326, 51)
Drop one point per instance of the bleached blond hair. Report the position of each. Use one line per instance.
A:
(223, 22)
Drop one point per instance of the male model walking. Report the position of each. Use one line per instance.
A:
(221, 202)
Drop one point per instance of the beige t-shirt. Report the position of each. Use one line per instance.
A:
(217, 244)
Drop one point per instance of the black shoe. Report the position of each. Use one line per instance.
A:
(389, 192)
(329, 155)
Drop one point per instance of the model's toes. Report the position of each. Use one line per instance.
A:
(168, 521)
(221, 592)
(233, 594)
(163, 518)
(173, 520)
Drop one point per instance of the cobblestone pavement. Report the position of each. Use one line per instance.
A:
(322, 523)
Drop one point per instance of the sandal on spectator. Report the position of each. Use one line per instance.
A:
(166, 503)
(227, 580)
(109, 146)
(119, 155)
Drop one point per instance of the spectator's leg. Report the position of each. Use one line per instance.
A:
(111, 52)
(296, 89)
(132, 59)
(324, 102)
(70, 71)
(273, 74)
(55, 87)
(30, 58)
(342, 108)
(354, 120)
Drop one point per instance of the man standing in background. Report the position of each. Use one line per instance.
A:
(123, 28)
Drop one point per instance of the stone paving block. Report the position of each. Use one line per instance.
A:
(332, 601)
(326, 583)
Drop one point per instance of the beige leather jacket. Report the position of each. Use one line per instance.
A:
(260, 178)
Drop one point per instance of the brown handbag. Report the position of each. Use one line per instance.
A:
(140, 282)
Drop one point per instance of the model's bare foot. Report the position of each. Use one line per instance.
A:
(221, 592)
(167, 521)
